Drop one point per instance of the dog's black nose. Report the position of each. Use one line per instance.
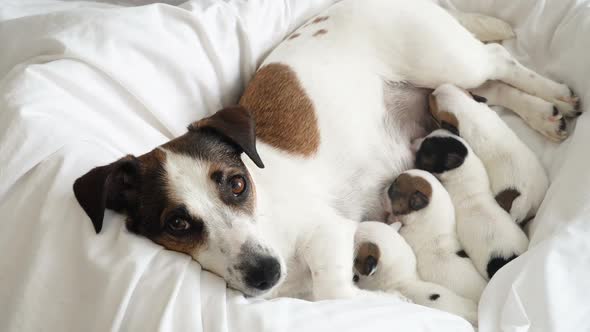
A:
(264, 273)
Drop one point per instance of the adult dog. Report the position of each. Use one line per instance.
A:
(332, 112)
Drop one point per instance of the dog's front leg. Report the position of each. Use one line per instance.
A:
(329, 254)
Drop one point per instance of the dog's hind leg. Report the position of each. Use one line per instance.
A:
(507, 69)
(540, 114)
(444, 51)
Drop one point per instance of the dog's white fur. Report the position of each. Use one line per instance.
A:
(484, 228)
(396, 270)
(308, 209)
(510, 164)
(431, 232)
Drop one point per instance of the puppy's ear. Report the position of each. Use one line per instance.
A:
(426, 156)
(236, 124)
(418, 201)
(113, 186)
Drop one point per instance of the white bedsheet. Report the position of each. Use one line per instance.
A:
(82, 83)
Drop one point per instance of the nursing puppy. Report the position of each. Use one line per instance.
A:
(487, 232)
(517, 178)
(385, 262)
(426, 211)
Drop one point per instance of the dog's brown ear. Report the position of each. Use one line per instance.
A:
(237, 125)
(113, 186)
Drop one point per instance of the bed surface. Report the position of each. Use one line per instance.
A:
(83, 83)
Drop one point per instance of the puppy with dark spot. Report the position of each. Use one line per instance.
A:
(486, 231)
(385, 262)
(424, 208)
(517, 178)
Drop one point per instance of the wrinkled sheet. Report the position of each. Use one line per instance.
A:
(83, 83)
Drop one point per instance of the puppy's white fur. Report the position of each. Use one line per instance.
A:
(396, 271)
(510, 164)
(484, 228)
(431, 233)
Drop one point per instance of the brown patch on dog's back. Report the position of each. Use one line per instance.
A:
(284, 114)
(293, 36)
(506, 197)
(367, 258)
(320, 32)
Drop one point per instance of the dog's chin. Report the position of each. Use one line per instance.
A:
(242, 287)
(253, 292)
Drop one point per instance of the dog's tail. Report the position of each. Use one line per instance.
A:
(484, 28)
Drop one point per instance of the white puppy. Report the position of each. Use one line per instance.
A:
(424, 208)
(487, 232)
(385, 262)
(517, 178)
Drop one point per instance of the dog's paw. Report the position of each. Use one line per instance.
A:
(568, 104)
(556, 130)
(550, 122)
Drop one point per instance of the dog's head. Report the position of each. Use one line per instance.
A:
(440, 152)
(410, 192)
(193, 195)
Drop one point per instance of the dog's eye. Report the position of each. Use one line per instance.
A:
(237, 184)
(178, 225)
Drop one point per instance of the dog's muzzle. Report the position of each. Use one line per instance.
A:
(262, 273)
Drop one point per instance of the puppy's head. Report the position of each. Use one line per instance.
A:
(382, 257)
(440, 152)
(193, 195)
(409, 193)
(446, 102)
